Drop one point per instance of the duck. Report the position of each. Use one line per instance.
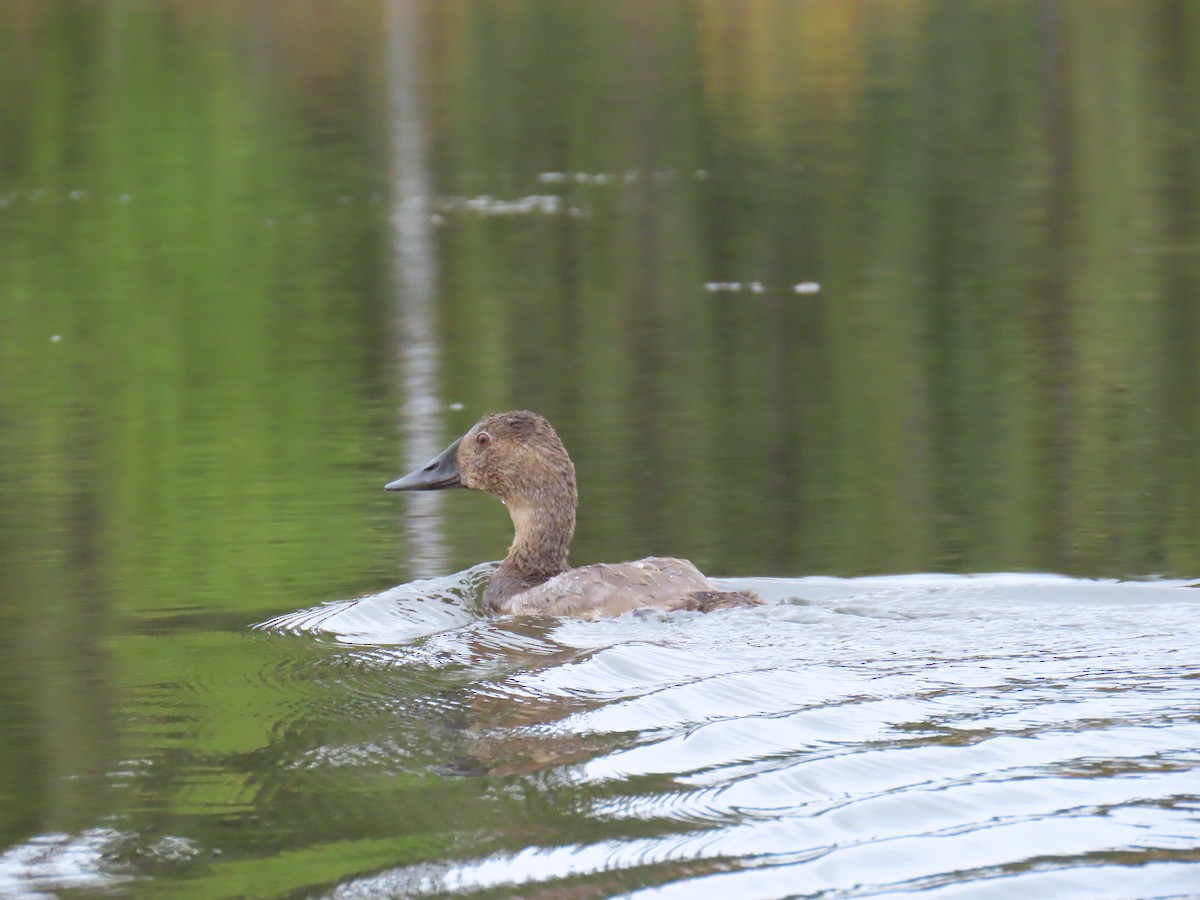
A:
(519, 458)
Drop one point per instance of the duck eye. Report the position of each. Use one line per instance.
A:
(483, 439)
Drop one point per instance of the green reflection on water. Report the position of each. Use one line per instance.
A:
(197, 378)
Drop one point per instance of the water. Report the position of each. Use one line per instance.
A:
(849, 739)
(817, 294)
(1024, 735)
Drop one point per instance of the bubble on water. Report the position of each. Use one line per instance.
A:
(125, 198)
(702, 174)
(55, 338)
(172, 848)
(457, 407)
(592, 178)
(75, 195)
(807, 287)
(487, 205)
(734, 287)
(436, 219)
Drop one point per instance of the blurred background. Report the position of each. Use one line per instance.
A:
(806, 287)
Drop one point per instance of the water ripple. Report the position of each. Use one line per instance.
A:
(395, 616)
(1024, 735)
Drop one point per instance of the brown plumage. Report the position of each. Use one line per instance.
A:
(518, 457)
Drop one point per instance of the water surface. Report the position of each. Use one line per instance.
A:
(817, 294)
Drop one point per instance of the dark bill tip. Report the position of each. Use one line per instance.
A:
(439, 473)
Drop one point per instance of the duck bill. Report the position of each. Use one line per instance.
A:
(439, 473)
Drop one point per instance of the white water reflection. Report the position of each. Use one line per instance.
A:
(398, 615)
(46, 864)
(414, 264)
(860, 737)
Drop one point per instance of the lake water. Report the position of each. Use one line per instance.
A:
(853, 304)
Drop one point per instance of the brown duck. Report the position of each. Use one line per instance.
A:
(518, 457)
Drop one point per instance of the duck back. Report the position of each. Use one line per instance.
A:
(610, 589)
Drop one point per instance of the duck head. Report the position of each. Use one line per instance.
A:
(515, 456)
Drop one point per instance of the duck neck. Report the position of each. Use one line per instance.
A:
(543, 529)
